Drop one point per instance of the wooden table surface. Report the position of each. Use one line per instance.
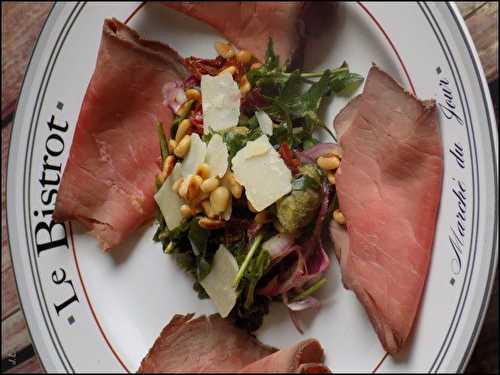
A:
(21, 24)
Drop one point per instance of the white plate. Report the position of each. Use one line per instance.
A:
(90, 311)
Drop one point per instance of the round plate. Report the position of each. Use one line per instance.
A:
(92, 311)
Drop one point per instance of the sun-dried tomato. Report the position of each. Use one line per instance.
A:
(199, 67)
(292, 163)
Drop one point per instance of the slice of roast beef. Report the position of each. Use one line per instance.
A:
(249, 24)
(213, 344)
(108, 181)
(304, 357)
(389, 188)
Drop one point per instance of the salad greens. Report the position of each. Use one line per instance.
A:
(298, 112)
(294, 110)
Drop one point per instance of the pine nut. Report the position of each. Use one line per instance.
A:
(195, 210)
(210, 224)
(176, 185)
(244, 57)
(183, 187)
(224, 49)
(234, 186)
(207, 208)
(193, 94)
(186, 211)
(193, 189)
(334, 153)
(339, 217)
(236, 190)
(200, 198)
(203, 170)
(230, 69)
(219, 199)
(172, 144)
(245, 86)
(328, 163)
(331, 178)
(183, 147)
(184, 109)
(162, 177)
(209, 185)
(168, 165)
(182, 130)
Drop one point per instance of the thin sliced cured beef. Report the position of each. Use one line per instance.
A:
(304, 357)
(212, 344)
(389, 189)
(249, 24)
(204, 344)
(108, 181)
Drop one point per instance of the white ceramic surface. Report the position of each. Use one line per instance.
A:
(91, 311)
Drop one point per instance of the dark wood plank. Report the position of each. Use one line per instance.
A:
(469, 7)
(6, 131)
(31, 366)
(483, 26)
(484, 359)
(21, 24)
(10, 303)
(15, 335)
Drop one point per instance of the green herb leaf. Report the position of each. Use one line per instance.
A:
(343, 82)
(272, 60)
(163, 140)
(248, 258)
(186, 261)
(309, 142)
(235, 140)
(198, 237)
(203, 268)
(255, 272)
(180, 231)
(186, 107)
(250, 319)
(309, 291)
(198, 288)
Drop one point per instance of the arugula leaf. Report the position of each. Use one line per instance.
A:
(202, 268)
(252, 318)
(241, 272)
(184, 111)
(270, 77)
(344, 83)
(255, 272)
(186, 261)
(309, 291)
(309, 142)
(272, 60)
(235, 140)
(239, 251)
(198, 238)
(198, 288)
(179, 232)
(163, 140)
